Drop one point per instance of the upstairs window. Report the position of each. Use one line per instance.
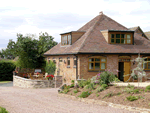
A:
(120, 38)
(66, 40)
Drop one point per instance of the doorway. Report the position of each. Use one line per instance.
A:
(124, 69)
(121, 71)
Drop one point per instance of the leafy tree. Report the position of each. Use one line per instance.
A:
(45, 42)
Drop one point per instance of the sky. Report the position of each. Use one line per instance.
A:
(60, 16)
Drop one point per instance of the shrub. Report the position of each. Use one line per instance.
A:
(3, 110)
(136, 91)
(99, 89)
(65, 91)
(75, 91)
(130, 86)
(50, 67)
(97, 95)
(128, 90)
(83, 83)
(147, 88)
(104, 86)
(90, 86)
(6, 70)
(106, 77)
(72, 81)
(84, 94)
(118, 93)
(108, 95)
(132, 98)
(72, 85)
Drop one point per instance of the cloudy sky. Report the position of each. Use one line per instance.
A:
(59, 16)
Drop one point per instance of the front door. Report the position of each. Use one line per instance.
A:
(126, 70)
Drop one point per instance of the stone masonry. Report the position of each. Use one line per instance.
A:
(28, 83)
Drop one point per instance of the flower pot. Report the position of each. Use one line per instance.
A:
(135, 81)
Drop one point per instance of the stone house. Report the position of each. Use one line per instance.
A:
(101, 44)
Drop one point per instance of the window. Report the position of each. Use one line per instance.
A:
(66, 40)
(120, 38)
(146, 66)
(60, 59)
(97, 64)
(48, 60)
(75, 61)
(68, 62)
(54, 60)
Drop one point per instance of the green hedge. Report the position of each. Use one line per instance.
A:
(6, 70)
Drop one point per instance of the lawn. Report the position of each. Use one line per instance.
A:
(4, 82)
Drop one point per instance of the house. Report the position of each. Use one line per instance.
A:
(100, 44)
(139, 31)
(147, 34)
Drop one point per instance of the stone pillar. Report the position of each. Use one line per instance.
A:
(58, 81)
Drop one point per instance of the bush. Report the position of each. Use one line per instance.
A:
(72, 81)
(90, 86)
(99, 89)
(50, 67)
(72, 85)
(104, 86)
(6, 70)
(84, 94)
(147, 88)
(132, 98)
(136, 91)
(76, 91)
(108, 95)
(130, 86)
(83, 83)
(3, 110)
(65, 91)
(104, 78)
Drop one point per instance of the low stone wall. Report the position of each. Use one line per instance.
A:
(29, 83)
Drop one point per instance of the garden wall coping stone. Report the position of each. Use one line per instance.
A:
(92, 101)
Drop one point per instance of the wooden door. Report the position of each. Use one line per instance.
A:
(126, 70)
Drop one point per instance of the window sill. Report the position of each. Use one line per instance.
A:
(74, 66)
(146, 70)
(68, 66)
(95, 71)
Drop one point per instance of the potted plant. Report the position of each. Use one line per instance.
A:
(25, 75)
(135, 78)
(15, 72)
(50, 77)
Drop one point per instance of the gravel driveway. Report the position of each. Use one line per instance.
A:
(18, 100)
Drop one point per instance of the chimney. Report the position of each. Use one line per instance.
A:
(100, 13)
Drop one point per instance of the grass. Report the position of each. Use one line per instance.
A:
(1, 82)
(3, 110)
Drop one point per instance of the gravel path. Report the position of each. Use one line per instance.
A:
(18, 100)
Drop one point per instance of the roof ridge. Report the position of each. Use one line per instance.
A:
(90, 31)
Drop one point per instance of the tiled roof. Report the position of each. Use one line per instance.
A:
(147, 34)
(94, 42)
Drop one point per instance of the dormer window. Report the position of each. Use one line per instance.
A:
(120, 38)
(66, 40)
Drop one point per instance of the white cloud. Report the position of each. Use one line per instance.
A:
(59, 16)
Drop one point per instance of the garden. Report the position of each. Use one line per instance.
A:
(100, 87)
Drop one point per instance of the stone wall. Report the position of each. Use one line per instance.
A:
(68, 73)
(28, 83)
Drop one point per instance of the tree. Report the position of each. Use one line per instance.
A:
(45, 42)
